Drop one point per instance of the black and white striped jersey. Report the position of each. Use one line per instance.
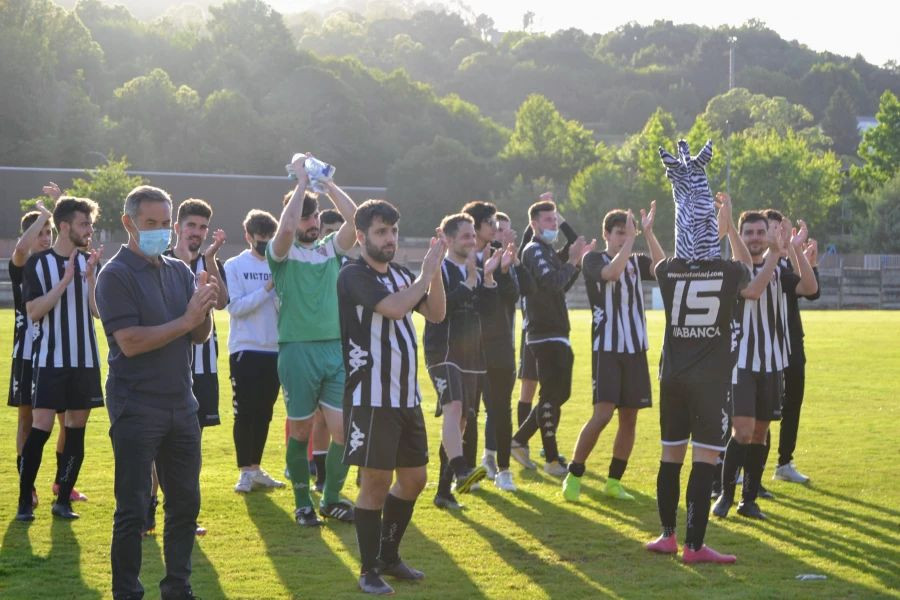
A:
(380, 354)
(22, 328)
(206, 355)
(765, 345)
(619, 324)
(457, 339)
(65, 336)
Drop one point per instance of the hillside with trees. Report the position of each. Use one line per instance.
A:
(441, 110)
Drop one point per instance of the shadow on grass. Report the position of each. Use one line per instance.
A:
(302, 558)
(204, 577)
(64, 559)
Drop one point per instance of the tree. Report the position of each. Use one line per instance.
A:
(544, 144)
(772, 171)
(840, 122)
(599, 188)
(484, 25)
(880, 146)
(434, 180)
(527, 20)
(107, 185)
(879, 229)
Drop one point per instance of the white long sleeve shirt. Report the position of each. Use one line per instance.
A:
(253, 309)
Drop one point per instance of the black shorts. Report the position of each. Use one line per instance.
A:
(66, 388)
(758, 395)
(385, 438)
(452, 384)
(19, 383)
(206, 390)
(622, 379)
(527, 362)
(695, 411)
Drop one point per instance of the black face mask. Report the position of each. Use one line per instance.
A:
(260, 247)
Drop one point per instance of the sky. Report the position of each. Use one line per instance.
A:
(862, 27)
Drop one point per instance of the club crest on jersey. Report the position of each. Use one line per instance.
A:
(357, 438)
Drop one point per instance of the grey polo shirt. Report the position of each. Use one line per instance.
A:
(131, 291)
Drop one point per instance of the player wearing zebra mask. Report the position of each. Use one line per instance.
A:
(700, 292)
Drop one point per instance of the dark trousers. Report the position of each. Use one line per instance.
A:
(554, 363)
(254, 383)
(497, 395)
(794, 384)
(171, 437)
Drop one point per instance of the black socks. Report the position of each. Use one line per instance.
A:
(668, 487)
(617, 468)
(368, 536)
(72, 457)
(735, 457)
(395, 517)
(31, 462)
(697, 502)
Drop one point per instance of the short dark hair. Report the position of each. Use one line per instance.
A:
(194, 207)
(480, 211)
(538, 207)
(615, 218)
(310, 202)
(502, 216)
(751, 216)
(260, 222)
(370, 210)
(330, 216)
(773, 214)
(144, 193)
(450, 224)
(28, 219)
(67, 206)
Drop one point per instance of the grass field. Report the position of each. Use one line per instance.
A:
(526, 545)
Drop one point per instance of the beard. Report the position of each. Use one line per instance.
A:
(309, 236)
(382, 255)
(194, 244)
(79, 241)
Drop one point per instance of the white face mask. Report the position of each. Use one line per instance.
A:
(549, 235)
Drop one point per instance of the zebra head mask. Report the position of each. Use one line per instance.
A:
(696, 227)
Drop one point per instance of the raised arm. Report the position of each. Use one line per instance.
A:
(809, 283)
(93, 265)
(23, 245)
(396, 305)
(346, 235)
(613, 270)
(657, 254)
(758, 284)
(739, 249)
(241, 303)
(212, 267)
(290, 214)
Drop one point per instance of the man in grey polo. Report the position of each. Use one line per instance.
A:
(152, 311)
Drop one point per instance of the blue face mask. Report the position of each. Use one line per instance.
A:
(549, 235)
(154, 242)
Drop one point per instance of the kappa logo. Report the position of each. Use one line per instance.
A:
(357, 438)
(440, 384)
(724, 423)
(599, 316)
(542, 263)
(735, 334)
(20, 320)
(358, 357)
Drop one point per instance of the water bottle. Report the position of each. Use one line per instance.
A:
(317, 171)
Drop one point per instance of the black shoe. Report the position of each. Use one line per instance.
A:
(472, 476)
(722, 506)
(63, 511)
(447, 501)
(306, 517)
(401, 570)
(341, 510)
(750, 510)
(372, 583)
(25, 513)
(764, 493)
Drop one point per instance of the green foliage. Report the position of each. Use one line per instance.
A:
(880, 146)
(771, 171)
(599, 188)
(840, 122)
(544, 144)
(107, 185)
(434, 180)
(879, 229)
